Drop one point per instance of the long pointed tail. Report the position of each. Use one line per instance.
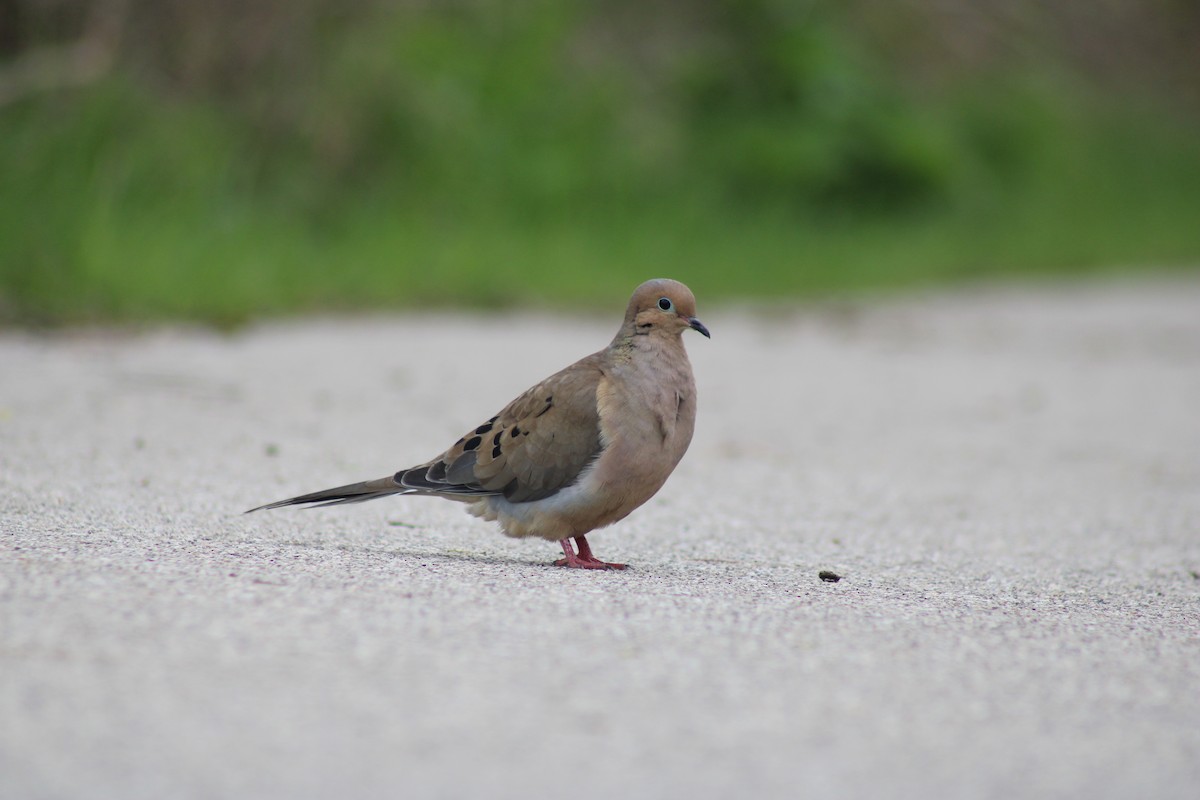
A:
(350, 493)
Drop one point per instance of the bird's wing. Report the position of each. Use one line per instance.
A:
(536, 446)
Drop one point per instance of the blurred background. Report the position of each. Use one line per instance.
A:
(217, 161)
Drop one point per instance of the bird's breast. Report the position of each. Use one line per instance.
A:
(646, 420)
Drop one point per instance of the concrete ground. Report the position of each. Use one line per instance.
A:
(1008, 482)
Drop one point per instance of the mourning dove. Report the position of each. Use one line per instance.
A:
(579, 450)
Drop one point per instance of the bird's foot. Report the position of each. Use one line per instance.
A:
(584, 559)
(591, 563)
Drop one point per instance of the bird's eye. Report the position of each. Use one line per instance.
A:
(665, 303)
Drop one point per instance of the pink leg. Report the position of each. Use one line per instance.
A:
(585, 559)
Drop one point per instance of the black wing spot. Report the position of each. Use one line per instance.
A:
(496, 438)
(496, 451)
(515, 432)
(484, 428)
(549, 405)
(473, 443)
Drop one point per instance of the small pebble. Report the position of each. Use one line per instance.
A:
(829, 577)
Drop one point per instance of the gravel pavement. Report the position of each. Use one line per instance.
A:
(1007, 480)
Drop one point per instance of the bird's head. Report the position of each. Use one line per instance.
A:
(663, 306)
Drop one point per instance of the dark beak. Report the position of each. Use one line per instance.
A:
(697, 325)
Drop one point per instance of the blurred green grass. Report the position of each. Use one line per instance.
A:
(460, 158)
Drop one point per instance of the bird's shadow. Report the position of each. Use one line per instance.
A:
(494, 560)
